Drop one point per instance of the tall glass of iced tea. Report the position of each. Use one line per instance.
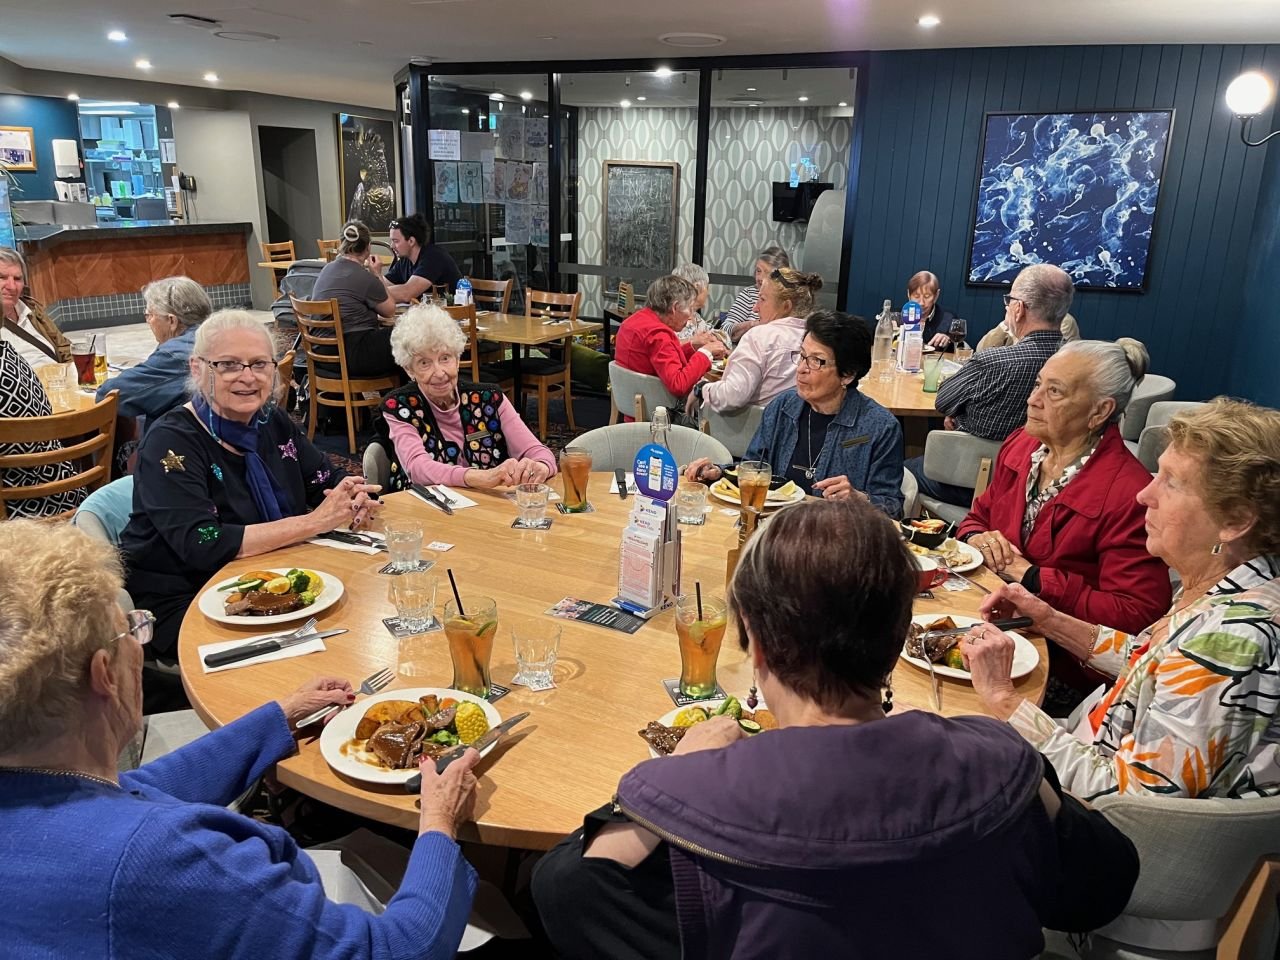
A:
(700, 638)
(753, 483)
(470, 637)
(575, 468)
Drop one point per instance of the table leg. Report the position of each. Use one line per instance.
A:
(517, 377)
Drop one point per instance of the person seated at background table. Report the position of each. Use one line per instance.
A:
(174, 308)
(821, 837)
(742, 312)
(419, 266)
(437, 431)
(1195, 711)
(763, 363)
(172, 872)
(363, 300)
(1061, 515)
(646, 341)
(23, 395)
(823, 434)
(924, 288)
(23, 323)
(702, 284)
(999, 335)
(226, 475)
(988, 396)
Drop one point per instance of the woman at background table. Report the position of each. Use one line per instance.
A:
(440, 432)
(1195, 711)
(822, 837)
(96, 863)
(227, 475)
(702, 284)
(23, 324)
(174, 308)
(742, 313)
(363, 301)
(763, 363)
(924, 288)
(823, 434)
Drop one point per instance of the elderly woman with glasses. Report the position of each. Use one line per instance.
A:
(437, 431)
(175, 307)
(151, 863)
(225, 476)
(822, 434)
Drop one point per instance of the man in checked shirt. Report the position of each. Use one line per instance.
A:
(988, 397)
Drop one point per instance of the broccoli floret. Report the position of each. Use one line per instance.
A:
(299, 582)
(446, 738)
(307, 598)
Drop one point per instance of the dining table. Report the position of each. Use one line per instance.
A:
(566, 758)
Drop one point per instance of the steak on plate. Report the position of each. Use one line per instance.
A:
(259, 603)
(397, 744)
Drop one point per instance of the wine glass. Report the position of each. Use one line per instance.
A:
(959, 328)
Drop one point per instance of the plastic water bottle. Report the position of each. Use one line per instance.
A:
(911, 338)
(462, 294)
(882, 346)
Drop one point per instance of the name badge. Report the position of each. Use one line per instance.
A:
(479, 434)
(855, 441)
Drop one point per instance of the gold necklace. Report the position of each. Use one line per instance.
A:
(49, 771)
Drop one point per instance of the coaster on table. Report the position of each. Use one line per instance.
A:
(543, 524)
(588, 508)
(497, 691)
(680, 700)
(398, 630)
(537, 687)
(390, 570)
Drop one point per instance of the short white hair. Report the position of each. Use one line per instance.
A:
(218, 324)
(694, 274)
(178, 297)
(1117, 368)
(424, 329)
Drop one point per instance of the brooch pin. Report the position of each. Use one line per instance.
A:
(172, 461)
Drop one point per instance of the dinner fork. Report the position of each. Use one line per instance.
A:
(444, 493)
(301, 631)
(372, 684)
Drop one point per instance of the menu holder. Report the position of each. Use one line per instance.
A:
(649, 558)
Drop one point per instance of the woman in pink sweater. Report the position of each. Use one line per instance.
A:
(440, 432)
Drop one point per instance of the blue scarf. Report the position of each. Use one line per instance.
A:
(272, 502)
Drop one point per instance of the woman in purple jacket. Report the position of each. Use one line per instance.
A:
(844, 832)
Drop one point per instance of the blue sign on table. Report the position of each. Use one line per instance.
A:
(656, 472)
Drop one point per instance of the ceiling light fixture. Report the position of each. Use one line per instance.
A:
(526, 94)
(842, 103)
(211, 77)
(73, 96)
(803, 99)
(928, 21)
(497, 96)
(142, 64)
(692, 39)
(642, 98)
(172, 105)
(246, 36)
(662, 72)
(1247, 96)
(117, 36)
(466, 111)
(624, 104)
(751, 89)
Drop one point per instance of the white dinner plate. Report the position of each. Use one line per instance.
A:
(340, 733)
(973, 563)
(213, 604)
(668, 718)
(723, 490)
(1025, 656)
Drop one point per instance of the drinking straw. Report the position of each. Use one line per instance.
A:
(456, 596)
(93, 343)
(697, 589)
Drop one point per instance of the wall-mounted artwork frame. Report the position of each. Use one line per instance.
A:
(1077, 189)
(366, 170)
(18, 149)
(641, 215)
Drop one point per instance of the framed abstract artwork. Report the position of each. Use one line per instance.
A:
(366, 170)
(1079, 190)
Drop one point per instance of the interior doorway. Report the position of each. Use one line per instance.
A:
(291, 187)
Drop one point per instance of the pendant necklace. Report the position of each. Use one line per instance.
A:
(810, 471)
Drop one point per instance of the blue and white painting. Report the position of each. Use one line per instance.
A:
(1075, 189)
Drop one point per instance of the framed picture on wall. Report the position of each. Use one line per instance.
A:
(1079, 190)
(365, 169)
(18, 148)
(641, 217)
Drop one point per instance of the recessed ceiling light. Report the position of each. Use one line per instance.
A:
(928, 21)
(842, 103)
(496, 96)
(246, 36)
(117, 36)
(526, 94)
(172, 104)
(751, 89)
(142, 64)
(802, 99)
(693, 39)
(624, 104)
(73, 96)
(465, 110)
(211, 77)
(662, 72)
(642, 98)
(548, 38)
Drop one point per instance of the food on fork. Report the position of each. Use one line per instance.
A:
(924, 643)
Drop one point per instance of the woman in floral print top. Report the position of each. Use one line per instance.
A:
(1195, 711)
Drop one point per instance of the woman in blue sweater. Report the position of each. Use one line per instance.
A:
(150, 863)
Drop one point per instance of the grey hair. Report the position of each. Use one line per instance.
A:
(1046, 291)
(774, 256)
(667, 293)
(422, 329)
(1117, 368)
(178, 297)
(694, 274)
(13, 258)
(219, 323)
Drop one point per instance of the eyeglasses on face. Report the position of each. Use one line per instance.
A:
(232, 368)
(801, 359)
(1009, 298)
(142, 625)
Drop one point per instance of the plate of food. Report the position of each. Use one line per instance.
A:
(379, 739)
(779, 495)
(952, 554)
(663, 734)
(267, 595)
(947, 661)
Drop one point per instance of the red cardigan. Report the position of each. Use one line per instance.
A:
(1089, 541)
(647, 345)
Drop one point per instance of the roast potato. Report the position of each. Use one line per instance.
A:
(385, 711)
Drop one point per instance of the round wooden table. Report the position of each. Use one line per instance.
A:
(567, 757)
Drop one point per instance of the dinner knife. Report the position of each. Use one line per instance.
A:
(933, 679)
(621, 475)
(259, 647)
(429, 495)
(342, 536)
(1013, 623)
(414, 783)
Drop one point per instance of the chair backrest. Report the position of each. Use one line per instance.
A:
(491, 294)
(952, 456)
(735, 430)
(560, 306)
(1155, 435)
(1253, 927)
(1195, 854)
(626, 296)
(466, 315)
(320, 330)
(279, 251)
(93, 432)
(377, 465)
(910, 494)
(328, 248)
(638, 394)
(1150, 389)
(615, 446)
(105, 512)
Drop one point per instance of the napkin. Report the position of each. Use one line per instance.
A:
(354, 548)
(631, 484)
(455, 500)
(297, 650)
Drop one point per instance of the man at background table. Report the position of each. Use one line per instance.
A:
(419, 266)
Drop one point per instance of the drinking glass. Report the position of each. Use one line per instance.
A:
(932, 371)
(700, 638)
(959, 330)
(536, 643)
(691, 503)
(753, 483)
(575, 468)
(415, 598)
(100, 359)
(83, 357)
(59, 385)
(470, 638)
(404, 543)
(531, 501)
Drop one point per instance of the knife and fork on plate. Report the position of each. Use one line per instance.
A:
(272, 644)
(414, 783)
(1013, 623)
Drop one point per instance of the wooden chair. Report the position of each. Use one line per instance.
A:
(328, 249)
(551, 374)
(93, 431)
(466, 314)
(278, 253)
(284, 374)
(1254, 913)
(320, 329)
(492, 294)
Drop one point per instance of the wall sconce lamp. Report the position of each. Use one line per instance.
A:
(1247, 96)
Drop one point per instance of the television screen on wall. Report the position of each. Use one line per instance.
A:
(6, 217)
(1079, 190)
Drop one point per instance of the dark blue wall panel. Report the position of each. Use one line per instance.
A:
(51, 119)
(914, 205)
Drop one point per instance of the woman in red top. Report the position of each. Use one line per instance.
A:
(1061, 515)
(647, 341)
